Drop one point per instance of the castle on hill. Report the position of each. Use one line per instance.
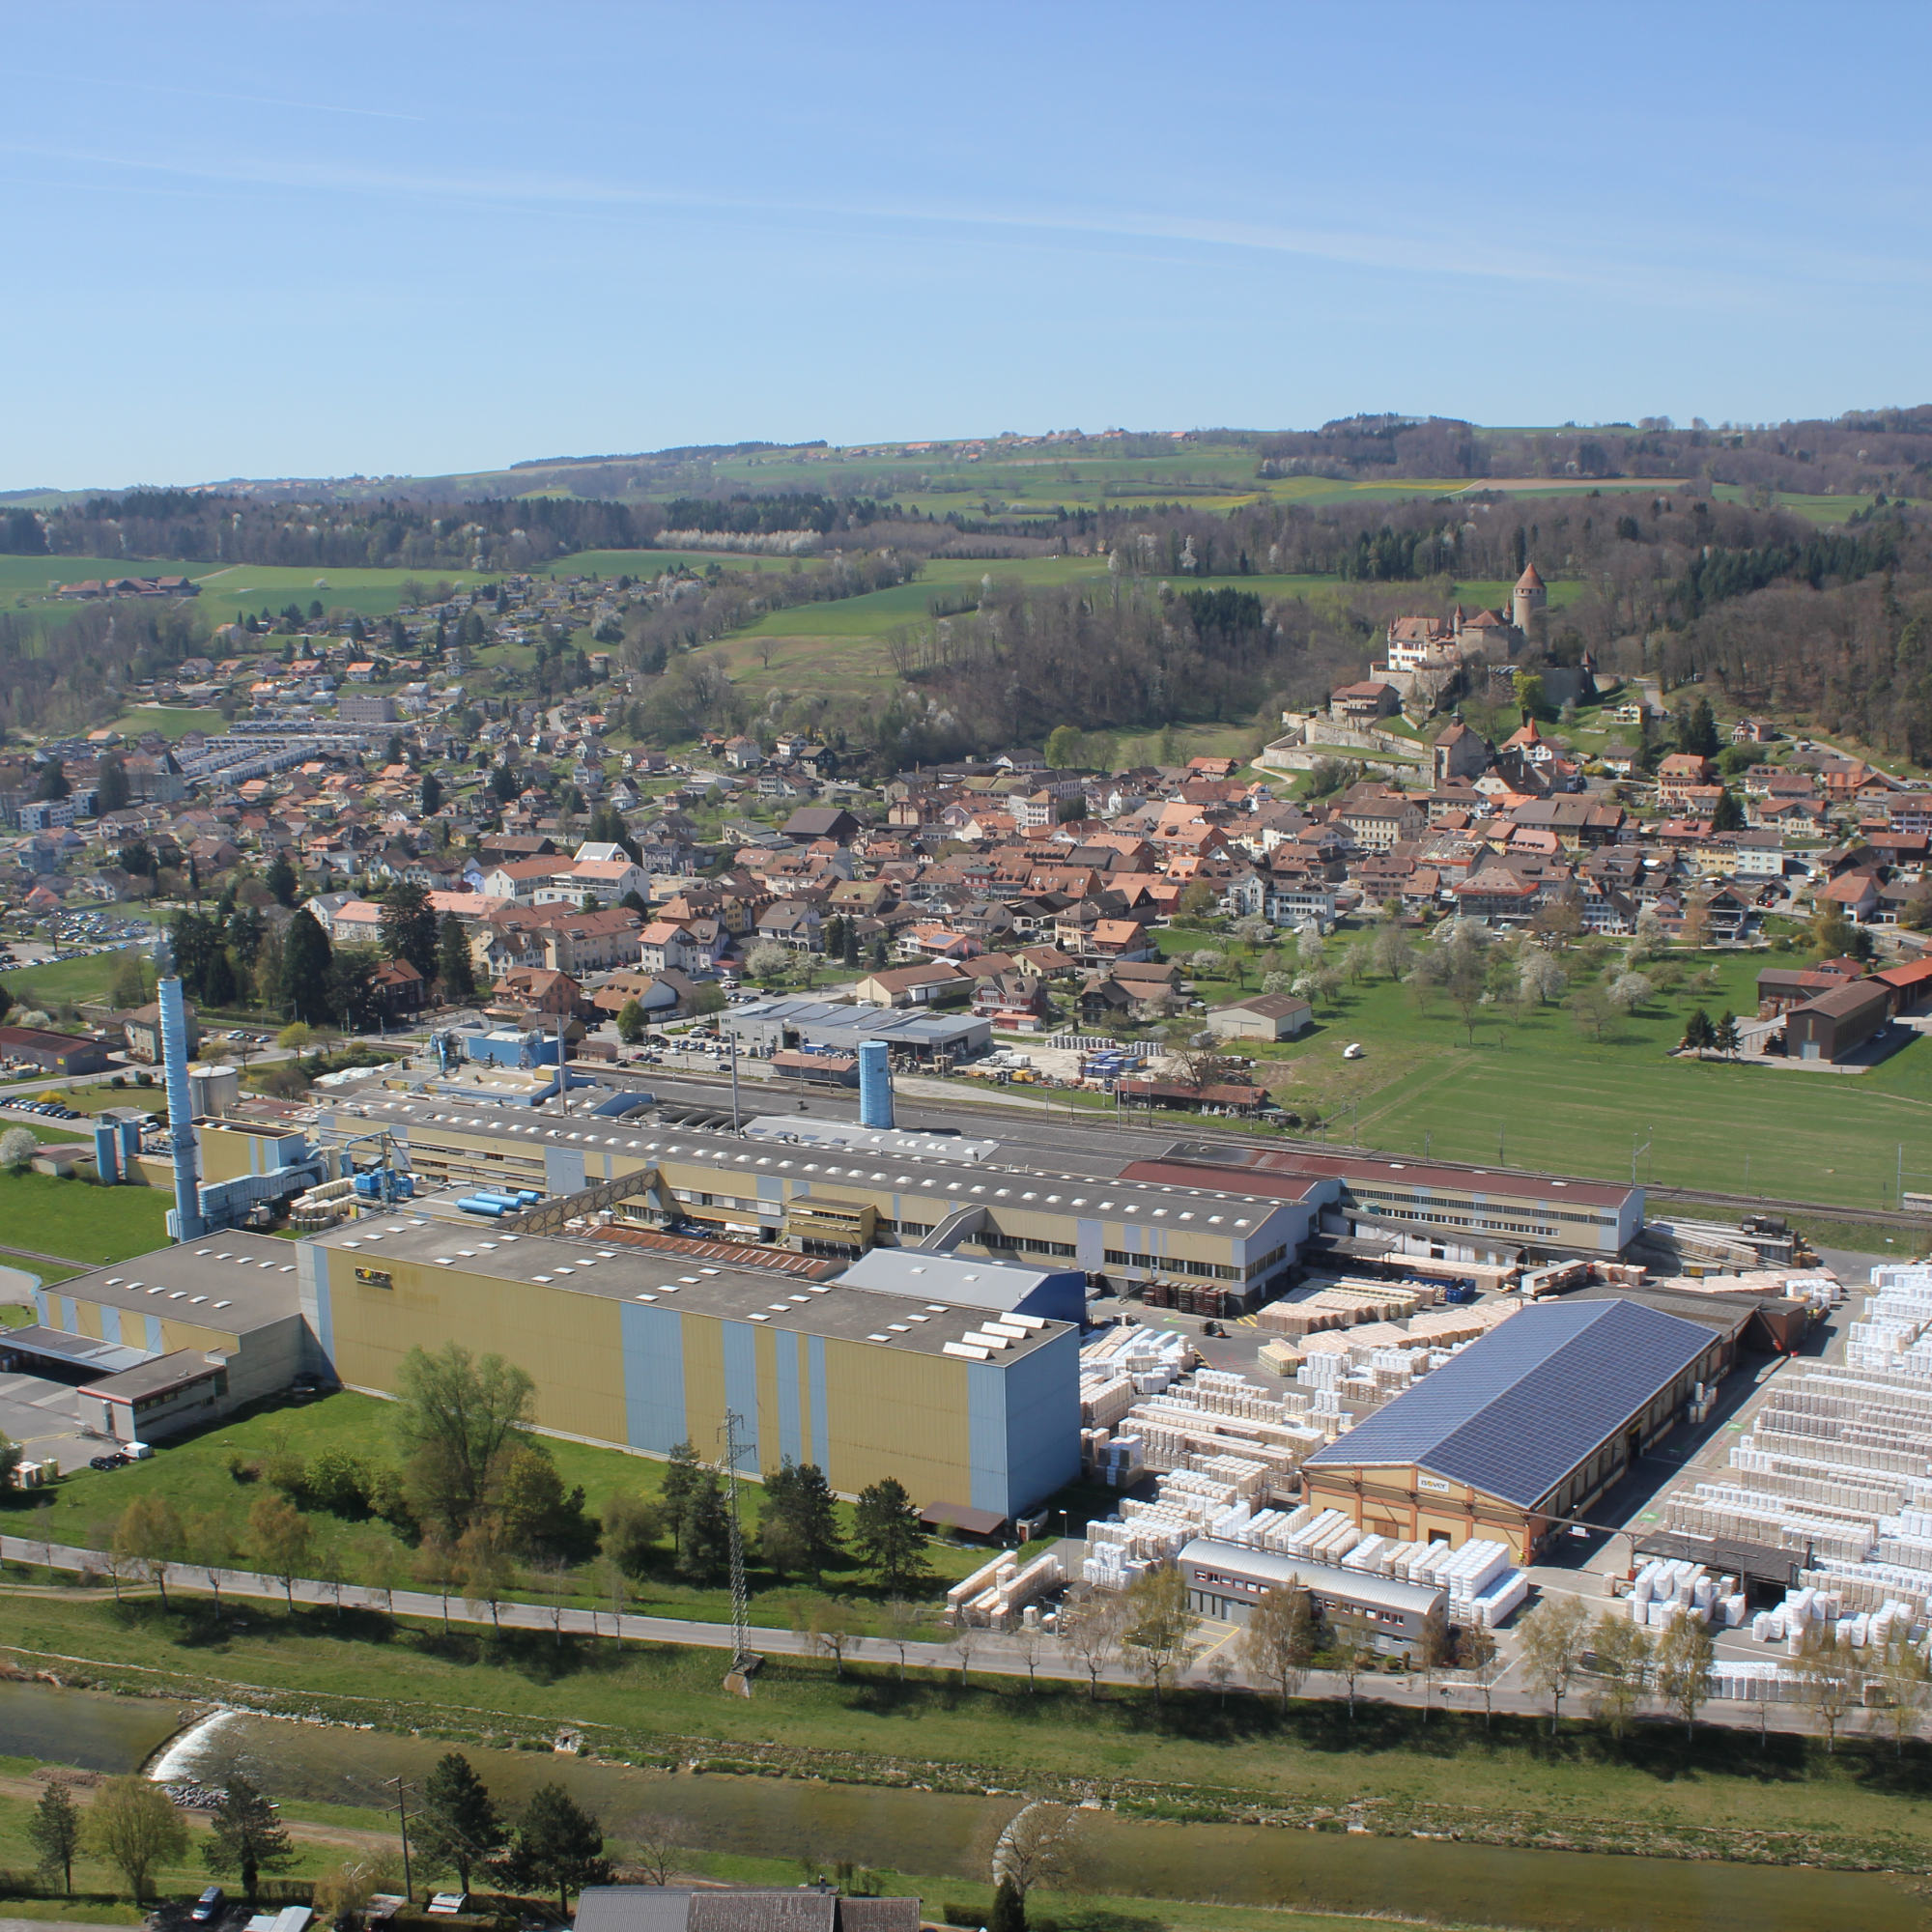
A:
(1430, 644)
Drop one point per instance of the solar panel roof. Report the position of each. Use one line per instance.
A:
(1514, 1413)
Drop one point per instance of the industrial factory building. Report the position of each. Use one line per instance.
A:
(174, 1337)
(843, 1203)
(635, 1346)
(1523, 1429)
(776, 1025)
(1443, 1212)
(971, 1405)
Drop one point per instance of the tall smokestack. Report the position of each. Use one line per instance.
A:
(875, 1084)
(181, 1112)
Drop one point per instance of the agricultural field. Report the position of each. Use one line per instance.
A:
(173, 722)
(1543, 1092)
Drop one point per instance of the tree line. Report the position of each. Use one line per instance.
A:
(553, 1846)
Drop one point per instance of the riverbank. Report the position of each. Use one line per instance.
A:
(1133, 1874)
(1198, 1757)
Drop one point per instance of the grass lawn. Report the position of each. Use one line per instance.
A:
(1563, 1099)
(193, 1470)
(86, 977)
(1451, 1774)
(79, 1220)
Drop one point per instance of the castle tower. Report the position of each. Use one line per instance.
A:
(1530, 607)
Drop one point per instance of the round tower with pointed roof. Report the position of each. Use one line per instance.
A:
(1529, 606)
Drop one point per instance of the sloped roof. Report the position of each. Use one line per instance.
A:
(1514, 1413)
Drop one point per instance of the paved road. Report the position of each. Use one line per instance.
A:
(991, 1653)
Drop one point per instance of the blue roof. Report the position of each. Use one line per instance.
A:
(1514, 1413)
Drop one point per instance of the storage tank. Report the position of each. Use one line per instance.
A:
(875, 1084)
(214, 1090)
(106, 1153)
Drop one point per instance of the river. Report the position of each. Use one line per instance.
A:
(935, 1832)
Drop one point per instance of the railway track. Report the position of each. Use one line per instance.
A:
(1085, 1141)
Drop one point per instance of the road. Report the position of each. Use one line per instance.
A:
(987, 1653)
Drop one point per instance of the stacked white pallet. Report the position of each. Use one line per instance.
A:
(1222, 1392)
(1392, 1370)
(1326, 1537)
(1118, 1460)
(1470, 1570)
(1499, 1600)
(1744, 1682)
(1103, 1404)
(1820, 1286)
(1869, 1586)
(1324, 1369)
(1902, 1277)
(1246, 1478)
(1748, 1516)
(1837, 1490)
(1366, 1556)
(1001, 1601)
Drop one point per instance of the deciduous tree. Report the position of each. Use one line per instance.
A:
(134, 1825)
(1278, 1643)
(456, 1416)
(1552, 1638)
(1158, 1640)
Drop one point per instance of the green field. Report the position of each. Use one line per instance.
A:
(1565, 1100)
(1817, 509)
(80, 1221)
(88, 975)
(171, 720)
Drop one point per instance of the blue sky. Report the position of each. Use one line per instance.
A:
(324, 239)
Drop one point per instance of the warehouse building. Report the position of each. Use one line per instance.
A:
(645, 1350)
(841, 1202)
(53, 1052)
(778, 1026)
(969, 1405)
(1522, 1431)
(1225, 1581)
(186, 1333)
(1445, 1213)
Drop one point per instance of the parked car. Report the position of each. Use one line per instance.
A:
(116, 1461)
(208, 1907)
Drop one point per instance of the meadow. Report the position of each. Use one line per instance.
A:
(80, 1221)
(1540, 1090)
(88, 976)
